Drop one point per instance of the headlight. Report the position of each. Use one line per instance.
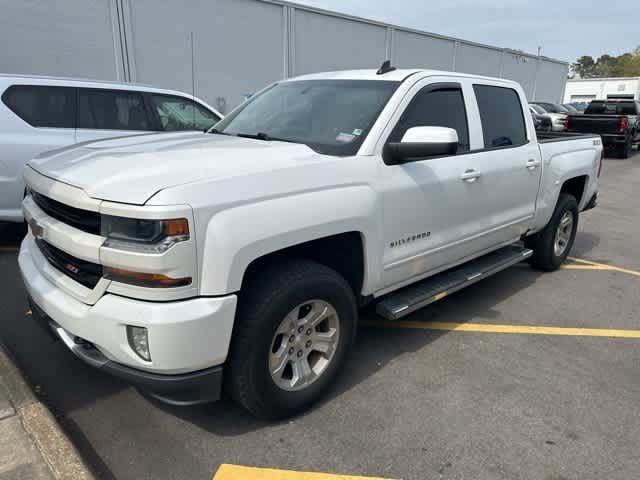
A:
(144, 236)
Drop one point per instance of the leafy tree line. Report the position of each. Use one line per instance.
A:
(625, 65)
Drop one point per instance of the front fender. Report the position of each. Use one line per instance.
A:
(237, 236)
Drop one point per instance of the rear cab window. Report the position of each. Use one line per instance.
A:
(501, 116)
(112, 110)
(42, 106)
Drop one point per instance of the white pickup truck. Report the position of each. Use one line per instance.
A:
(189, 263)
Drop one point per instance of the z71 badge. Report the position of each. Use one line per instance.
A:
(410, 239)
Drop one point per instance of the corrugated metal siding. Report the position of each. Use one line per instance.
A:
(239, 46)
(552, 78)
(522, 69)
(64, 38)
(478, 60)
(422, 51)
(323, 42)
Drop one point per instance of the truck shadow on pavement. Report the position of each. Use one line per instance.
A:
(374, 349)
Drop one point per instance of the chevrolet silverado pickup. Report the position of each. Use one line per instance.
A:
(236, 261)
(616, 121)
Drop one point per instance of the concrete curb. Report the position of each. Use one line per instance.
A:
(58, 452)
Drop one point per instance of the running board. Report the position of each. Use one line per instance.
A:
(410, 298)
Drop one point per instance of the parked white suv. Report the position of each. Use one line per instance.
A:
(46, 113)
(176, 260)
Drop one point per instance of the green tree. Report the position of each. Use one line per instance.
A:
(628, 65)
(625, 65)
(605, 66)
(585, 66)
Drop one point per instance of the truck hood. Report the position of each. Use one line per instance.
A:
(133, 169)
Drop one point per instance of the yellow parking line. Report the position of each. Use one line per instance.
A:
(493, 328)
(606, 267)
(237, 472)
(584, 267)
(8, 249)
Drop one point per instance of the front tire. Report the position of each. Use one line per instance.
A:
(295, 324)
(552, 245)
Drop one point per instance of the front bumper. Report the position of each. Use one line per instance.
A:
(182, 389)
(188, 340)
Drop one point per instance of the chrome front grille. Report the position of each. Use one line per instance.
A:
(84, 220)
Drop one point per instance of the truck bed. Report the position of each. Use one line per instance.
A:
(548, 137)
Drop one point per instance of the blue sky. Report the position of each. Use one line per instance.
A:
(565, 29)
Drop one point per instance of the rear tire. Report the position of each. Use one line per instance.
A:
(276, 334)
(552, 245)
(624, 151)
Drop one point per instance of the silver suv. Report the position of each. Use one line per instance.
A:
(44, 113)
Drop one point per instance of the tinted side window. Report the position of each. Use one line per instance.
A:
(501, 115)
(177, 113)
(435, 108)
(112, 110)
(42, 106)
(627, 108)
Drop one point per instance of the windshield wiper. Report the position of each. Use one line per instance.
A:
(218, 132)
(264, 136)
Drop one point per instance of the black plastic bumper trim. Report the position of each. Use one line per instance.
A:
(191, 388)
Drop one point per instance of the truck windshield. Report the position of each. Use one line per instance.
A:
(611, 108)
(332, 117)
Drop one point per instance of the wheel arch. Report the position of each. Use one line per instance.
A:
(575, 186)
(337, 229)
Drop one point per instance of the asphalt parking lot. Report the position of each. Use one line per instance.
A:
(419, 400)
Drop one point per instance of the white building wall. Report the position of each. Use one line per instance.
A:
(225, 49)
(587, 89)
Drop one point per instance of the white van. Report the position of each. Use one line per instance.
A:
(45, 113)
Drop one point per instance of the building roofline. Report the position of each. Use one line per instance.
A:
(601, 79)
(379, 23)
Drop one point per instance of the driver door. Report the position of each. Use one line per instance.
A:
(437, 211)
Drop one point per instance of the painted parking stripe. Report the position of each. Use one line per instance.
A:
(585, 267)
(604, 266)
(237, 472)
(8, 249)
(494, 328)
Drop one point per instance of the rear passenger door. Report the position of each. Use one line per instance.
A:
(111, 113)
(509, 162)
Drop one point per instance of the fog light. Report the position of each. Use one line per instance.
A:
(139, 341)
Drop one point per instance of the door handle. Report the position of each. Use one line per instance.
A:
(532, 164)
(470, 175)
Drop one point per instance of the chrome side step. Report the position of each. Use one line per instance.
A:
(413, 297)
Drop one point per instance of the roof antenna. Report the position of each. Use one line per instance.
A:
(385, 68)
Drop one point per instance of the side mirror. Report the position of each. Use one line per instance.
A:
(422, 142)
